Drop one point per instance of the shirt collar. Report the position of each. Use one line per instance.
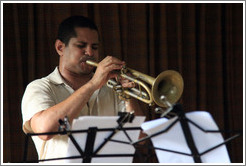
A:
(55, 77)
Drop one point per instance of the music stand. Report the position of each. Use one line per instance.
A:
(185, 123)
(126, 123)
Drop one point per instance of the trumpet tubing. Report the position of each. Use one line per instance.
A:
(169, 83)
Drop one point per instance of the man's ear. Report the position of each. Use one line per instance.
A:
(59, 46)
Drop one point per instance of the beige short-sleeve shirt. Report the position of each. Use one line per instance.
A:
(51, 90)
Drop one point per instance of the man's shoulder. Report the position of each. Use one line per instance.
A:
(44, 81)
(39, 83)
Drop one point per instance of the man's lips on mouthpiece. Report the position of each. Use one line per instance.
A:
(84, 60)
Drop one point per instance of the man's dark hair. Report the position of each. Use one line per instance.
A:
(67, 27)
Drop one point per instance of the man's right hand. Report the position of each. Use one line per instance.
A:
(105, 71)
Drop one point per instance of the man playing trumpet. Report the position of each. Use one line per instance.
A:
(72, 89)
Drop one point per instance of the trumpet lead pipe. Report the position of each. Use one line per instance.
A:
(92, 63)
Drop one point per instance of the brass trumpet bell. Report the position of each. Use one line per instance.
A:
(170, 84)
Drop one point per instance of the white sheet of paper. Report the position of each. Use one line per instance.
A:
(174, 139)
(83, 123)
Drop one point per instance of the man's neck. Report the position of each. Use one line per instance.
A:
(74, 80)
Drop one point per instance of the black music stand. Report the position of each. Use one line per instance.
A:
(177, 108)
(88, 153)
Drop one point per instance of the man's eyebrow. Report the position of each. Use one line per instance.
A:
(82, 42)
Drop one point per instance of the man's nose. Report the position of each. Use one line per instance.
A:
(89, 51)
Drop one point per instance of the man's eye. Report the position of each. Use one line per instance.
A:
(81, 46)
(95, 47)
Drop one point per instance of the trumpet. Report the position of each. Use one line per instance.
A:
(168, 85)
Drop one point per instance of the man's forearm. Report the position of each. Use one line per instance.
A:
(47, 120)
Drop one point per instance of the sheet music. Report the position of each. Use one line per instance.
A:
(174, 139)
(111, 147)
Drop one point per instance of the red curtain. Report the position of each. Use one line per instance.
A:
(203, 41)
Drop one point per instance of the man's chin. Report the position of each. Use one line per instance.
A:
(87, 71)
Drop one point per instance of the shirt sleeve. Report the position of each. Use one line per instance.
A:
(37, 97)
